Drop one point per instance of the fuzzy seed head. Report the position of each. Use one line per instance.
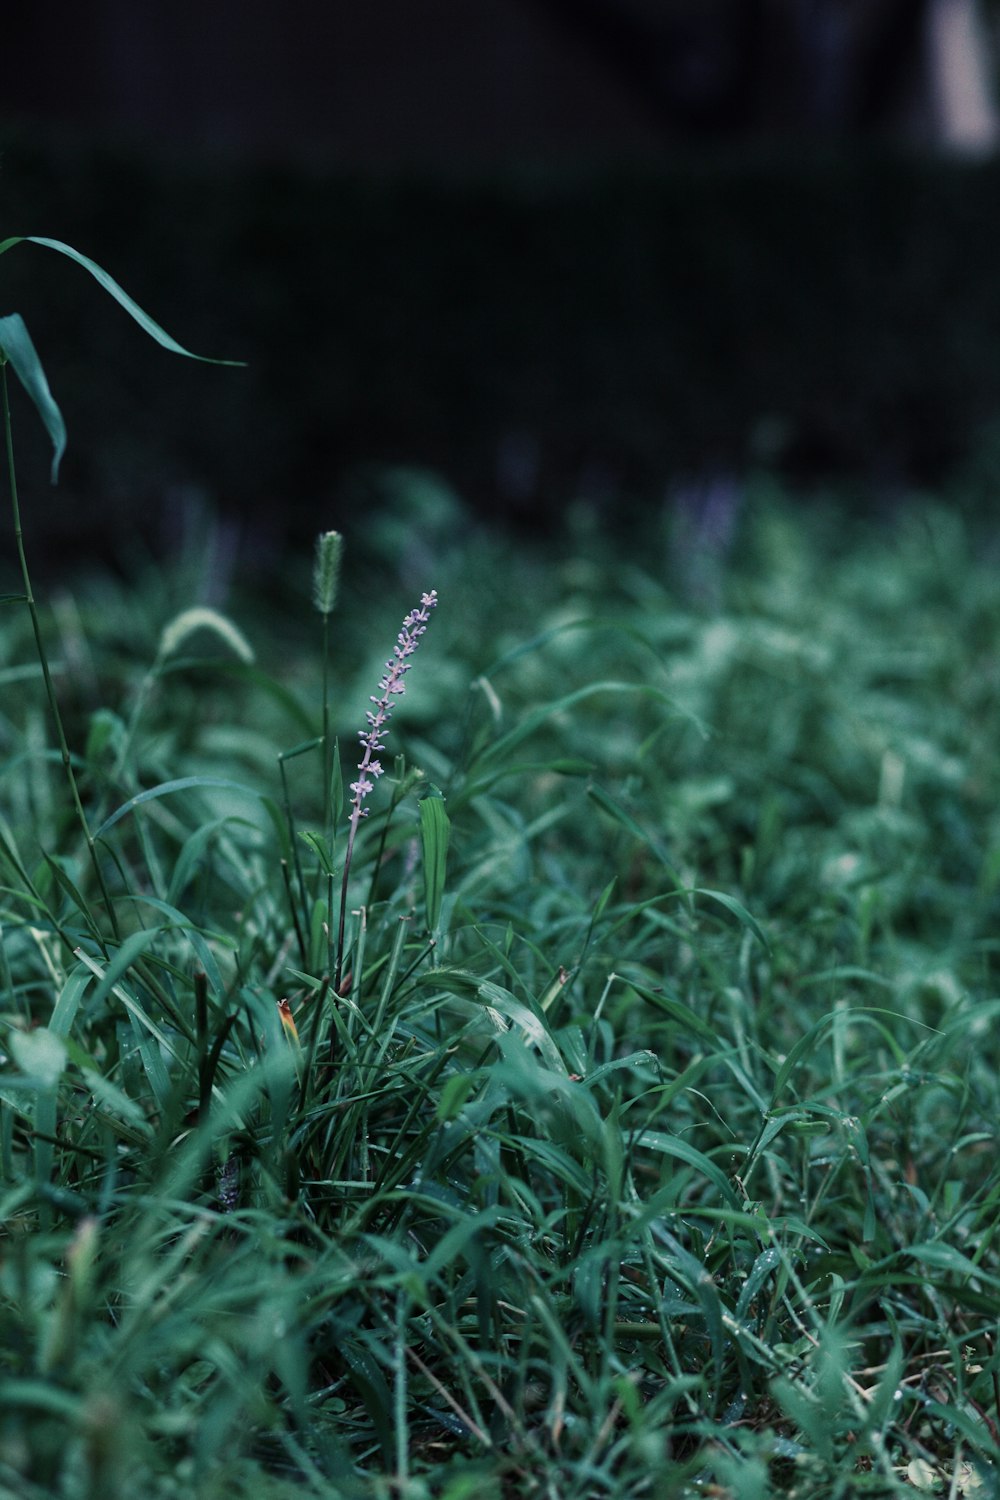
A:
(201, 618)
(326, 570)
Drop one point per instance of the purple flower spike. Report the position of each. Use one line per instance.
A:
(391, 685)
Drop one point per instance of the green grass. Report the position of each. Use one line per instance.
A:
(649, 1147)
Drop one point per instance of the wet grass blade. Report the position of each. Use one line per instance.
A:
(434, 832)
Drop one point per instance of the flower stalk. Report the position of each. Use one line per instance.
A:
(326, 581)
(392, 685)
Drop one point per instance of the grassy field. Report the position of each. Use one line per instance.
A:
(638, 1136)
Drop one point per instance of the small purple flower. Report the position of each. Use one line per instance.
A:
(391, 685)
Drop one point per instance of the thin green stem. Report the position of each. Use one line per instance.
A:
(293, 838)
(50, 693)
(327, 747)
(348, 856)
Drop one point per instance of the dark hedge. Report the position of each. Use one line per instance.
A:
(532, 338)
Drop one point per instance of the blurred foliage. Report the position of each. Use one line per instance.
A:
(533, 338)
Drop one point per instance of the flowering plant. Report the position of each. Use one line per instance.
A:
(392, 685)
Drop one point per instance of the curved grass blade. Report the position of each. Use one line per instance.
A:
(166, 787)
(808, 1043)
(68, 1002)
(15, 342)
(670, 1006)
(739, 911)
(16, 345)
(152, 1044)
(671, 1145)
(539, 716)
(145, 322)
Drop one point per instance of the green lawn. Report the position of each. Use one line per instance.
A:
(639, 1137)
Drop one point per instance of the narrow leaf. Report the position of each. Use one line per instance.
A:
(434, 831)
(111, 286)
(15, 343)
(166, 787)
(671, 1145)
(676, 1009)
(739, 912)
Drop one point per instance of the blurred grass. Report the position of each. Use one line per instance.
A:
(665, 1164)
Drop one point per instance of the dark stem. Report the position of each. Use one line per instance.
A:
(50, 693)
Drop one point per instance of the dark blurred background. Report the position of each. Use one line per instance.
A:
(557, 252)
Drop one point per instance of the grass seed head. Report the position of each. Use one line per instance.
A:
(326, 570)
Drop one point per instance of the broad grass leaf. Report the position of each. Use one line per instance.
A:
(767, 1262)
(855, 1133)
(946, 1258)
(453, 1096)
(302, 748)
(563, 1167)
(278, 1064)
(559, 766)
(434, 833)
(336, 783)
(532, 1027)
(15, 343)
(604, 898)
(320, 848)
(119, 963)
(970, 1425)
(449, 1252)
(66, 1006)
(841, 973)
(832, 1363)
(42, 1058)
(590, 1284)
(671, 1145)
(634, 1060)
(253, 676)
(40, 1395)
(742, 1474)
